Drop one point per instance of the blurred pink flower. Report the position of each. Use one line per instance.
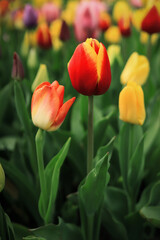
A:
(50, 12)
(87, 19)
(136, 3)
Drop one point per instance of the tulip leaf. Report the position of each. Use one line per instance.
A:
(136, 168)
(6, 228)
(152, 214)
(91, 192)
(63, 231)
(52, 172)
(20, 231)
(5, 94)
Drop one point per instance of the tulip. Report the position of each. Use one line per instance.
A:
(69, 13)
(30, 16)
(151, 22)
(113, 34)
(32, 60)
(44, 36)
(131, 104)
(17, 68)
(114, 52)
(2, 178)
(47, 108)
(136, 69)
(145, 36)
(104, 21)
(125, 26)
(136, 3)
(3, 7)
(50, 12)
(89, 68)
(121, 9)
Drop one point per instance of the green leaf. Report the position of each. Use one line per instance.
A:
(91, 193)
(103, 150)
(33, 238)
(136, 169)
(62, 231)
(5, 94)
(154, 198)
(152, 214)
(52, 172)
(20, 231)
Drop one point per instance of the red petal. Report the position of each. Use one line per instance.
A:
(62, 114)
(82, 69)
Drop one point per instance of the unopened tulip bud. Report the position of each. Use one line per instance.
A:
(30, 16)
(65, 33)
(47, 108)
(89, 68)
(17, 69)
(2, 178)
(42, 76)
(32, 61)
(131, 104)
(136, 69)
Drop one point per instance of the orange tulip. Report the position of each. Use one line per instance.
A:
(44, 36)
(47, 108)
(89, 68)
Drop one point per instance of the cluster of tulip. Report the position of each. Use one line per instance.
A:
(105, 57)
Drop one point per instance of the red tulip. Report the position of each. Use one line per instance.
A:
(44, 36)
(47, 108)
(17, 68)
(125, 26)
(89, 68)
(151, 22)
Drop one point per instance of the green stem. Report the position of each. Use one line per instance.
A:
(39, 147)
(149, 47)
(90, 134)
(90, 228)
(131, 140)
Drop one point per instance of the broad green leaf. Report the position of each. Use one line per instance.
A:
(20, 231)
(154, 198)
(33, 238)
(91, 193)
(62, 231)
(152, 214)
(136, 168)
(52, 172)
(115, 201)
(103, 150)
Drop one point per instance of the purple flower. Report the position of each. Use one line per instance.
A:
(30, 16)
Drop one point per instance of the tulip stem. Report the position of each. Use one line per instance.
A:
(149, 46)
(90, 134)
(39, 147)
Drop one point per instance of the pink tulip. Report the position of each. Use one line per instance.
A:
(47, 108)
(50, 12)
(87, 19)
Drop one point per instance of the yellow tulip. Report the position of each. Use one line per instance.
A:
(2, 178)
(121, 9)
(114, 52)
(131, 104)
(138, 17)
(136, 69)
(112, 34)
(42, 76)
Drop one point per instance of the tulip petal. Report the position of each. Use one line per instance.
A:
(62, 114)
(44, 106)
(60, 92)
(103, 71)
(82, 69)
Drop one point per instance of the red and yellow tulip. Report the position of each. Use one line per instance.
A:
(89, 68)
(47, 108)
(44, 36)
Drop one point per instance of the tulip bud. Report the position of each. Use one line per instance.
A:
(42, 76)
(104, 21)
(113, 34)
(65, 33)
(151, 22)
(136, 69)
(44, 36)
(114, 52)
(17, 69)
(30, 16)
(125, 26)
(89, 68)
(2, 178)
(131, 104)
(47, 108)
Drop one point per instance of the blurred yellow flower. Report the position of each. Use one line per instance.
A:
(32, 60)
(144, 38)
(42, 76)
(136, 69)
(138, 17)
(2, 178)
(114, 52)
(112, 34)
(131, 104)
(121, 9)
(55, 30)
(68, 14)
